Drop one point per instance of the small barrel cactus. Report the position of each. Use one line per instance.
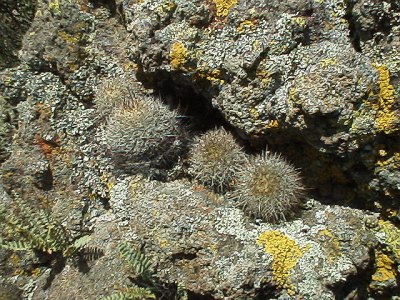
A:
(143, 135)
(268, 187)
(215, 159)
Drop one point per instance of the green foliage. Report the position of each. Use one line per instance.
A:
(137, 260)
(24, 227)
(215, 159)
(144, 284)
(268, 187)
(132, 293)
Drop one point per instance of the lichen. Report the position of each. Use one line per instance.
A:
(385, 268)
(178, 55)
(245, 25)
(391, 237)
(285, 253)
(223, 7)
(387, 119)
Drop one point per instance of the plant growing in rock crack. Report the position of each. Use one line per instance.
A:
(144, 135)
(24, 227)
(215, 159)
(144, 283)
(268, 187)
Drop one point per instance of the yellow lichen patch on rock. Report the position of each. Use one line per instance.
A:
(391, 237)
(387, 119)
(385, 268)
(223, 7)
(178, 55)
(245, 25)
(285, 253)
(332, 244)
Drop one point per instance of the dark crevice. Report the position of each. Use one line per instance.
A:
(356, 286)
(353, 31)
(196, 111)
(184, 256)
(110, 5)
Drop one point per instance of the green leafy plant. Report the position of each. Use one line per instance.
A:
(25, 227)
(268, 187)
(35, 229)
(215, 159)
(144, 283)
(132, 293)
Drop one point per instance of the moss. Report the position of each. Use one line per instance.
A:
(387, 119)
(178, 56)
(223, 7)
(285, 253)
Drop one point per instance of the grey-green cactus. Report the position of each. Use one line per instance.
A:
(268, 187)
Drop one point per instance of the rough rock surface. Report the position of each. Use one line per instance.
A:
(317, 81)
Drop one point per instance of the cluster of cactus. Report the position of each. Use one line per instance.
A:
(142, 134)
(265, 186)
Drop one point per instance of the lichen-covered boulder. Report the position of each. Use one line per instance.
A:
(210, 248)
(295, 70)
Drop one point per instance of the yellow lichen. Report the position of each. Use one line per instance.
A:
(385, 269)
(285, 253)
(223, 6)
(245, 25)
(300, 21)
(254, 113)
(166, 7)
(392, 237)
(393, 161)
(325, 63)
(332, 248)
(178, 55)
(387, 119)
(214, 76)
(264, 76)
(272, 124)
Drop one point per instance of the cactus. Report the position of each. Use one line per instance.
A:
(215, 159)
(143, 135)
(268, 187)
(114, 93)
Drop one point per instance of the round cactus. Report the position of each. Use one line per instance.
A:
(268, 187)
(215, 159)
(143, 135)
(115, 93)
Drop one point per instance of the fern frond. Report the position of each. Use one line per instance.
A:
(132, 293)
(15, 245)
(76, 246)
(91, 253)
(137, 260)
